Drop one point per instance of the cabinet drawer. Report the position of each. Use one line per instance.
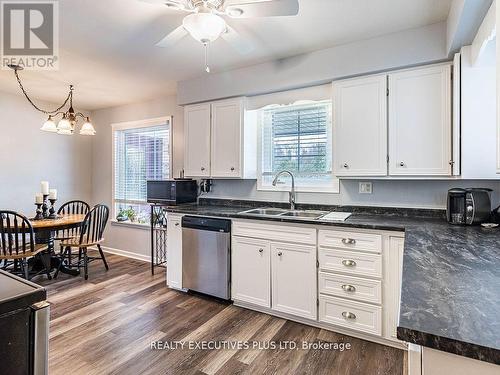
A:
(364, 290)
(351, 262)
(274, 232)
(351, 240)
(350, 314)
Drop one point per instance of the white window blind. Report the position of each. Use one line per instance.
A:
(140, 154)
(298, 138)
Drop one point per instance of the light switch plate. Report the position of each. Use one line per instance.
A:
(365, 188)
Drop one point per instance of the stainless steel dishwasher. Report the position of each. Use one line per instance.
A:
(206, 245)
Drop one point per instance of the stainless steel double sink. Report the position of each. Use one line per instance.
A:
(285, 214)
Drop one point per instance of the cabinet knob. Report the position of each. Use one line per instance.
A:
(261, 250)
(280, 254)
(232, 168)
(349, 315)
(348, 241)
(346, 165)
(349, 288)
(202, 168)
(348, 262)
(176, 224)
(451, 162)
(401, 163)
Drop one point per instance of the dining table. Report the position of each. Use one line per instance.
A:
(45, 231)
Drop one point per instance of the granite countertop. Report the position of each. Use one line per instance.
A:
(450, 297)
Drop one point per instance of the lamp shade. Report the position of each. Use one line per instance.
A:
(49, 126)
(87, 128)
(63, 125)
(204, 27)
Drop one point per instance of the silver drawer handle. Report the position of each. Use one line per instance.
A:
(349, 315)
(349, 288)
(280, 254)
(348, 262)
(261, 250)
(348, 241)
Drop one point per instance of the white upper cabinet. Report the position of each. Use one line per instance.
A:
(219, 143)
(420, 122)
(197, 140)
(360, 126)
(227, 124)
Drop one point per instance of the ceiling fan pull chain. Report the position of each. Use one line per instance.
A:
(207, 67)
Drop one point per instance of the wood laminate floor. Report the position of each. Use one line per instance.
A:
(106, 325)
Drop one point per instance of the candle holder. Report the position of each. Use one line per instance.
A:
(52, 211)
(39, 215)
(45, 206)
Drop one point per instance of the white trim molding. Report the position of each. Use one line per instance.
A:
(124, 253)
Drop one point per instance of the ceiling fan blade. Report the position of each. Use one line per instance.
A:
(262, 8)
(172, 4)
(242, 45)
(173, 37)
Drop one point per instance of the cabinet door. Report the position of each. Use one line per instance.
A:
(227, 122)
(197, 140)
(293, 269)
(360, 126)
(251, 271)
(174, 251)
(420, 122)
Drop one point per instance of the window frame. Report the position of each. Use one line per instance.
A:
(333, 188)
(138, 124)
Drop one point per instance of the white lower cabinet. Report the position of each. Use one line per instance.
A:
(294, 279)
(174, 251)
(251, 270)
(282, 276)
(334, 278)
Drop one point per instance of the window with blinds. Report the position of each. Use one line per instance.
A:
(298, 138)
(140, 154)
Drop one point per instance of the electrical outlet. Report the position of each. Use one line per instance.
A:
(365, 188)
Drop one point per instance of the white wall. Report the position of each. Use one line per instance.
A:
(393, 193)
(29, 156)
(127, 238)
(410, 47)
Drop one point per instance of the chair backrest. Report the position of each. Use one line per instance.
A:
(70, 208)
(16, 234)
(94, 224)
(74, 207)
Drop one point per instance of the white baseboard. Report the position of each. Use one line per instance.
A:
(123, 253)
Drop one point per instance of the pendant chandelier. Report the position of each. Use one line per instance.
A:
(67, 123)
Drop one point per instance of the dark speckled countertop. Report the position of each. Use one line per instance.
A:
(450, 297)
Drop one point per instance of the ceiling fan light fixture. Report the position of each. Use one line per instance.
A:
(234, 12)
(204, 27)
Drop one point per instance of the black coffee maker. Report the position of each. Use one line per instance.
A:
(468, 206)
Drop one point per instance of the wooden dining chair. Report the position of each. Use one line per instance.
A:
(75, 207)
(91, 234)
(17, 242)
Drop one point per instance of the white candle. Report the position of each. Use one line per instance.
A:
(39, 198)
(45, 187)
(53, 194)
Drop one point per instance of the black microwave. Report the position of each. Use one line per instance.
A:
(172, 192)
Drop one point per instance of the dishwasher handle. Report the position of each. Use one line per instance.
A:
(206, 223)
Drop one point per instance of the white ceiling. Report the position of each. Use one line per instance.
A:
(108, 51)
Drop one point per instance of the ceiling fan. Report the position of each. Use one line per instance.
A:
(205, 23)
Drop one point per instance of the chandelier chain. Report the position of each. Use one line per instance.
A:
(34, 105)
